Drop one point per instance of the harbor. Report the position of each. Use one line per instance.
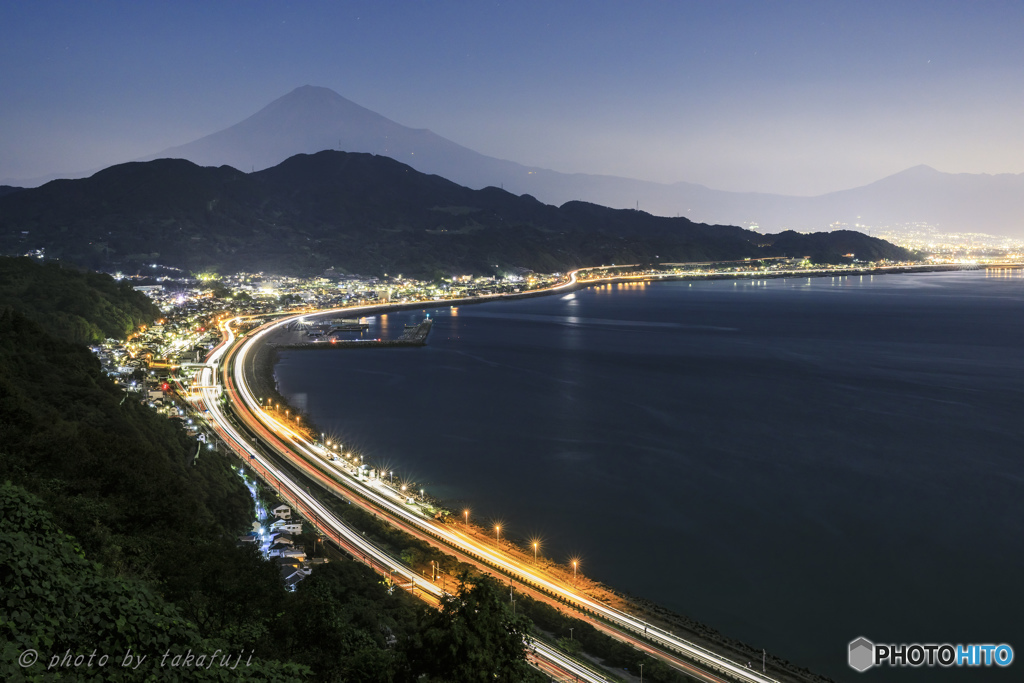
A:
(414, 335)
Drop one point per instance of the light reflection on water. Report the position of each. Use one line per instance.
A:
(796, 463)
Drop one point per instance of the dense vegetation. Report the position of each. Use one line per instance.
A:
(76, 305)
(341, 623)
(113, 535)
(359, 213)
(55, 601)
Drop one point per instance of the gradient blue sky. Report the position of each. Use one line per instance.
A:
(793, 97)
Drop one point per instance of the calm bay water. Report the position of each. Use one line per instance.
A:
(794, 462)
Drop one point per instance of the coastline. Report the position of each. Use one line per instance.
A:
(263, 369)
(267, 356)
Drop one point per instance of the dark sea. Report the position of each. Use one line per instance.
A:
(794, 462)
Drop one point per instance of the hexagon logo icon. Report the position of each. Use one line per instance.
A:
(862, 654)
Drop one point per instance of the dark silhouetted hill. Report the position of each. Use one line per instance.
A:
(77, 306)
(359, 213)
(311, 119)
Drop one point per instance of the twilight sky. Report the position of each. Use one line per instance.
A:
(794, 97)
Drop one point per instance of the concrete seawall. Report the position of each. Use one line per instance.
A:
(355, 344)
(417, 336)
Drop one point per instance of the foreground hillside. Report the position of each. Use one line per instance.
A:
(359, 213)
(79, 306)
(115, 536)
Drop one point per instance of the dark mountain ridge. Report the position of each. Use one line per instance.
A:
(359, 213)
(310, 119)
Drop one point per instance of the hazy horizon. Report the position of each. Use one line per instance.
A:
(798, 100)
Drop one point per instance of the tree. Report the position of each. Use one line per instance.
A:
(220, 291)
(53, 600)
(474, 637)
(343, 623)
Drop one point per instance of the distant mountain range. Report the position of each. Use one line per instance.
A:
(311, 119)
(360, 213)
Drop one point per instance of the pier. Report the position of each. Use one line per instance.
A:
(413, 336)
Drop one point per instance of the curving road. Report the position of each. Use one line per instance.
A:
(231, 360)
(540, 654)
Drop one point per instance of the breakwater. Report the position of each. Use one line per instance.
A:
(415, 336)
(560, 400)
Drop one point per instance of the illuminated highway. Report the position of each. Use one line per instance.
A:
(542, 655)
(303, 453)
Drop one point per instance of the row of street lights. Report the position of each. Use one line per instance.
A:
(389, 473)
(465, 512)
(535, 544)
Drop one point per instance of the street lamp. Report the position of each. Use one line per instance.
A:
(497, 535)
(535, 544)
(574, 563)
(465, 513)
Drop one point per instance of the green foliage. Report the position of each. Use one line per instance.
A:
(569, 645)
(474, 637)
(79, 306)
(117, 475)
(411, 556)
(121, 480)
(120, 487)
(220, 291)
(53, 600)
(226, 591)
(344, 624)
